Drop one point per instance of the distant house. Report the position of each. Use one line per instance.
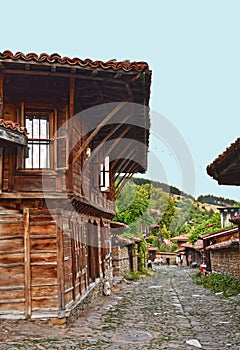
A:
(222, 251)
(226, 170)
(190, 253)
(66, 134)
(179, 240)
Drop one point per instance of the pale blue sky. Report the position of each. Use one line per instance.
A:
(192, 48)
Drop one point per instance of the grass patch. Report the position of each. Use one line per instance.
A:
(132, 276)
(219, 283)
(138, 275)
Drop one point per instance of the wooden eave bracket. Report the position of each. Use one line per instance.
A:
(98, 129)
(13, 137)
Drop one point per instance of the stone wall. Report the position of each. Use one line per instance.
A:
(135, 258)
(164, 255)
(226, 261)
(120, 260)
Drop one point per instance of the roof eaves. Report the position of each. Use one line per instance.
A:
(125, 66)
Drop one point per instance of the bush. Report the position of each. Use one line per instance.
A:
(219, 283)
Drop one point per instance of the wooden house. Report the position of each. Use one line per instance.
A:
(190, 253)
(68, 128)
(226, 170)
(221, 249)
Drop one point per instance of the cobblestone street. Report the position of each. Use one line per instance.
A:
(164, 311)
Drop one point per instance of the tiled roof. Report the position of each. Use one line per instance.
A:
(9, 124)
(198, 245)
(235, 146)
(187, 245)
(183, 238)
(220, 232)
(55, 58)
(224, 245)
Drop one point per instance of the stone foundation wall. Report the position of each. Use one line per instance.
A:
(120, 260)
(88, 300)
(226, 261)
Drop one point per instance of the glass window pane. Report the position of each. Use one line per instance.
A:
(36, 129)
(28, 162)
(35, 161)
(29, 127)
(43, 129)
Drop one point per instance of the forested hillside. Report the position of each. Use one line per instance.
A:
(220, 201)
(160, 212)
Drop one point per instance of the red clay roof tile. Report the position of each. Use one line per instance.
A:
(9, 124)
(88, 63)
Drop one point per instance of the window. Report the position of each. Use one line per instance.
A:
(105, 176)
(37, 125)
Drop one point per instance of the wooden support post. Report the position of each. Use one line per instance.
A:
(71, 97)
(73, 250)
(12, 166)
(239, 235)
(69, 140)
(27, 263)
(60, 264)
(1, 169)
(22, 114)
(1, 95)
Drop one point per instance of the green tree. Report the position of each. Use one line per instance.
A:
(132, 203)
(206, 226)
(168, 214)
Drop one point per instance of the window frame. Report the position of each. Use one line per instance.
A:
(54, 136)
(38, 140)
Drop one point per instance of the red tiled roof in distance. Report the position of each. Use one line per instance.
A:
(87, 63)
(182, 238)
(198, 245)
(224, 245)
(219, 232)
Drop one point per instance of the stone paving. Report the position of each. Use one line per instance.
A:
(164, 311)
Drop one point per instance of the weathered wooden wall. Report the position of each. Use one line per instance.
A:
(12, 263)
(48, 262)
(28, 270)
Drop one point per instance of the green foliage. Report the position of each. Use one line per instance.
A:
(174, 247)
(206, 226)
(132, 276)
(179, 214)
(132, 203)
(168, 215)
(163, 248)
(164, 232)
(142, 255)
(219, 283)
(152, 240)
(166, 188)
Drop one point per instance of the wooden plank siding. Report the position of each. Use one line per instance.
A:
(43, 250)
(12, 273)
